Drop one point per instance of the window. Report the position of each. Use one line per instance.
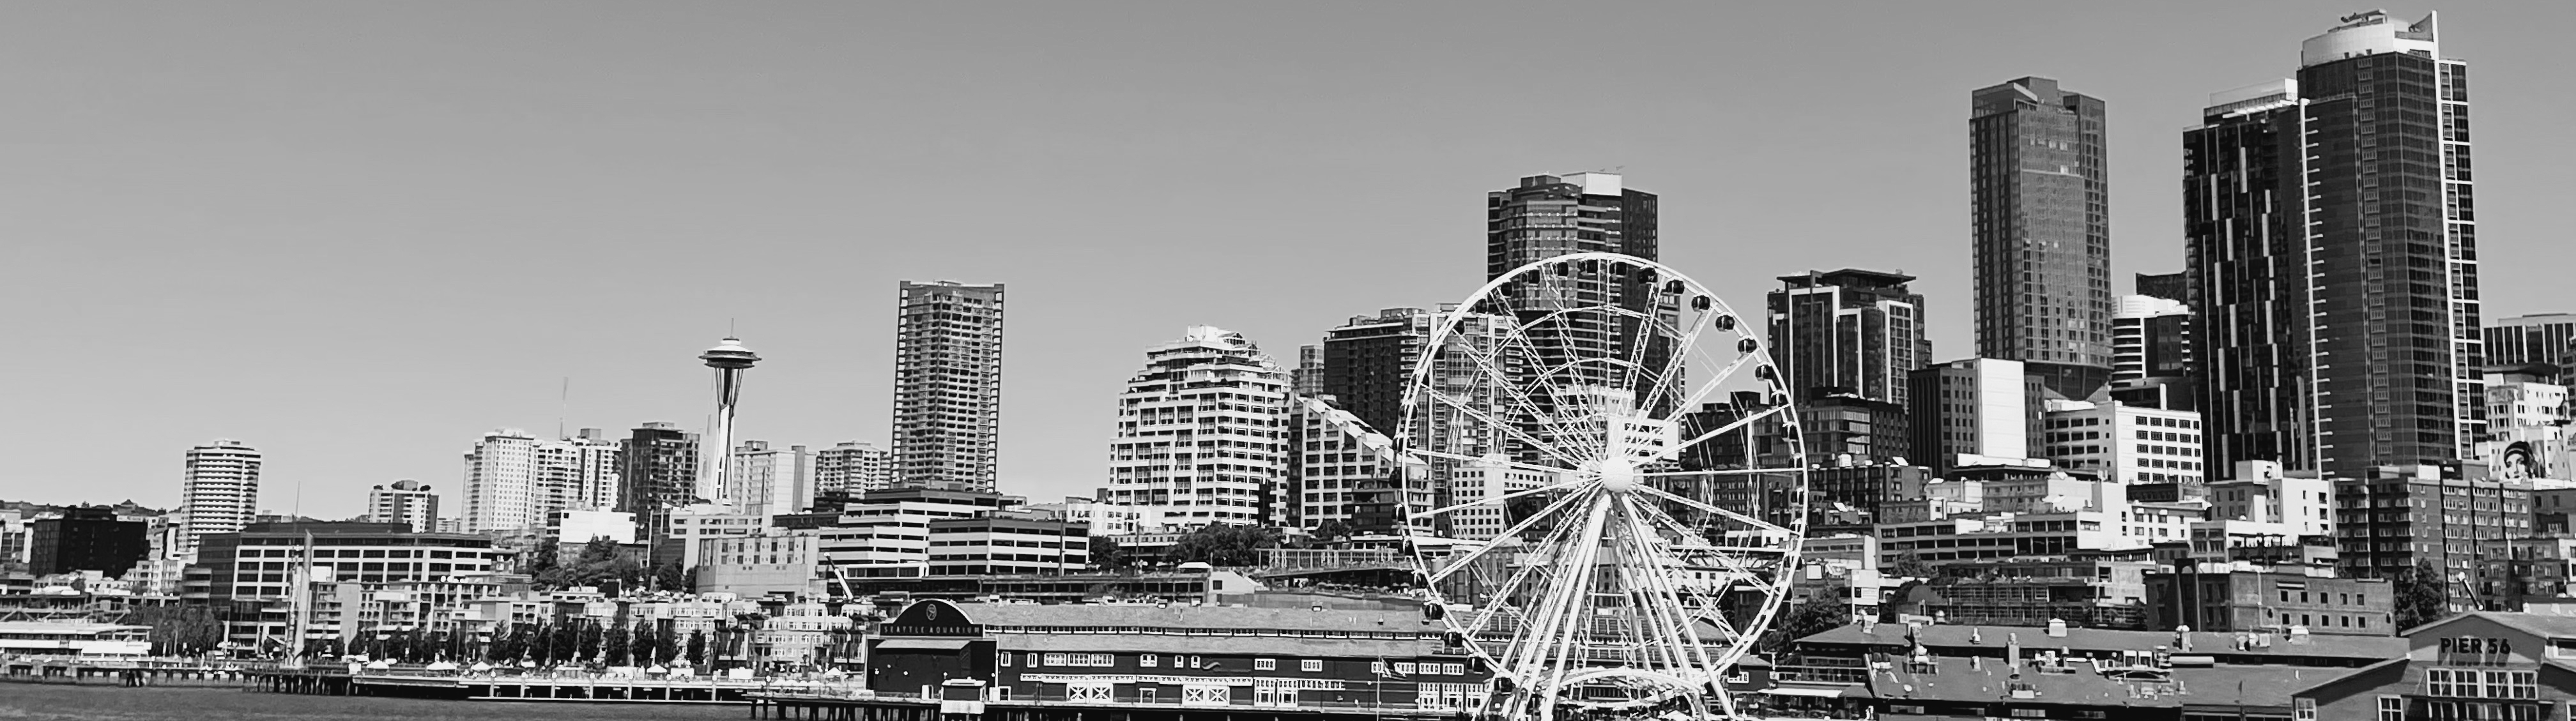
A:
(2305, 709)
(1310, 665)
(1265, 664)
(1055, 659)
(1196, 662)
(1006, 659)
(1033, 660)
(1405, 668)
(2391, 708)
(1149, 660)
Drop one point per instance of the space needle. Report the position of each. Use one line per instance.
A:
(729, 359)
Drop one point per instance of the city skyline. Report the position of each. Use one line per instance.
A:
(384, 392)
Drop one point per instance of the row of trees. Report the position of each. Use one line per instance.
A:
(591, 643)
(602, 561)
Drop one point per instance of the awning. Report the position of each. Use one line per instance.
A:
(922, 644)
(1805, 691)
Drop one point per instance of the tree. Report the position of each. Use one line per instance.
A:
(180, 630)
(1330, 531)
(1219, 544)
(640, 645)
(671, 577)
(666, 647)
(697, 648)
(600, 560)
(1806, 619)
(1108, 554)
(592, 638)
(619, 640)
(1907, 566)
(2423, 595)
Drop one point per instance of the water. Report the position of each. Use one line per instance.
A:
(40, 702)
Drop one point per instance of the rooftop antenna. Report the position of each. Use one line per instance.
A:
(563, 404)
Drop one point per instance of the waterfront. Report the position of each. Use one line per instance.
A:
(39, 702)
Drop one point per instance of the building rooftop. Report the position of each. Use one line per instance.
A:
(1968, 680)
(1991, 640)
(1212, 617)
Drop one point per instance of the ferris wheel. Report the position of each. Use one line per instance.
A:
(1603, 544)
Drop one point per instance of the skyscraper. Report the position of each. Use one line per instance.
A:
(2394, 236)
(2041, 211)
(1548, 216)
(851, 467)
(220, 492)
(2246, 251)
(1368, 366)
(948, 386)
(406, 502)
(1856, 330)
(502, 483)
(730, 360)
(2333, 256)
(1202, 431)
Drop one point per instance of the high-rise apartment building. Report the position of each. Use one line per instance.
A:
(2537, 338)
(2245, 228)
(660, 473)
(2332, 225)
(948, 386)
(769, 481)
(2393, 227)
(1967, 412)
(2391, 517)
(220, 492)
(502, 483)
(2175, 286)
(1860, 331)
(1548, 216)
(851, 467)
(2041, 211)
(1369, 363)
(1202, 431)
(407, 502)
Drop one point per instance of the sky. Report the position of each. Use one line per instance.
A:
(359, 235)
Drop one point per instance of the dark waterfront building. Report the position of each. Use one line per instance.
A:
(1857, 330)
(86, 539)
(2393, 247)
(2042, 232)
(948, 386)
(1549, 216)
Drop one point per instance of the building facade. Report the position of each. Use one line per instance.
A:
(2124, 443)
(2245, 227)
(1547, 216)
(407, 502)
(948, 385)
(1859, 331)
(2537, 338)
(220, 492)
(1202, 430)
(2395, 517)
(769, 481)
(852, 467)
(659, 473)
(2042, 243)
(1978, 406)
(1008, 543)
(86, 539)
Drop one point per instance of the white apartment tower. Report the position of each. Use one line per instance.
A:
(948, 385)
(1202, 431)
(768, 481)
(514, 479)
(853, 467)
(220, 493)
(405, 501)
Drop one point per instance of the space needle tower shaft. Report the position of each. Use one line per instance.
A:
(729, 359)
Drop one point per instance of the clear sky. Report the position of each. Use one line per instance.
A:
(358, 235)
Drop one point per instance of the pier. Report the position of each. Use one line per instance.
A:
(123, 673)
(843, 705)
(576, 687)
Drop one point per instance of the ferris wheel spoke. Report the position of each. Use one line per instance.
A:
(1515, 531)
(1655, 582)
(1681, 628)
(1554, 425)
(1499, 499)
(1675, 451)
(1757, 523)
(1489, 459)
(1719, 472)
(1579, 434)
(1507, 429)
(1511, 586)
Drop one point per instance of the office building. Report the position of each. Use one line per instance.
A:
(86, 539)
(1202, 430)
(2041, 214)
(851, 467)
(2537, 338)
(948, 385)
(1548, 216)
(407, 502)
(2257, 491)
(1983, 407)
(886, 534)
(220, 492)
(1859, 331)
(2307, 200)
(2229, 599)
(2125, 444)
(769, 481)
(258, 562)
(1339, 470)
(1008, 542)
(2151, 346)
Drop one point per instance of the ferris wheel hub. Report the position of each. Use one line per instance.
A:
(1618, 474)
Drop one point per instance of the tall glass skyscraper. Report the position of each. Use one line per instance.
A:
(1548, 216)
(2332, 235)
(948, 386)
(2042, 237)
